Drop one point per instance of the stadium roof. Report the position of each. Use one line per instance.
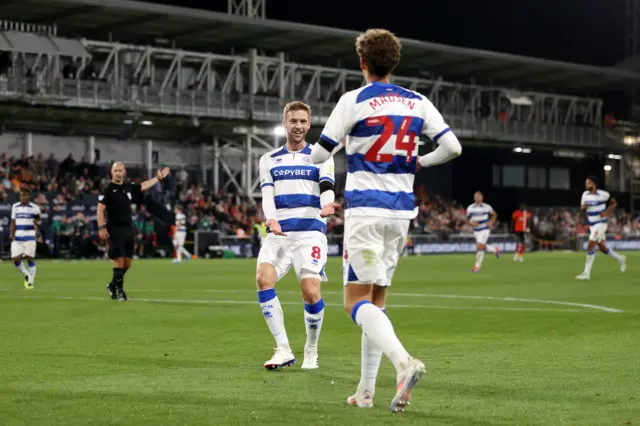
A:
(139, 22)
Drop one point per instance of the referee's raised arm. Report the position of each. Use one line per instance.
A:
(115, 225)
(160, 175)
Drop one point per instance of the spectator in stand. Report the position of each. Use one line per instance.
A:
(68, 165)
(80, 230)
(61, 229)
(150, 236)
(52, 165)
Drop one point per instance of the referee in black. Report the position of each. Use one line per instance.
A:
(116, 226)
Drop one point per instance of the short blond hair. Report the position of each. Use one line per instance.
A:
(296, 106)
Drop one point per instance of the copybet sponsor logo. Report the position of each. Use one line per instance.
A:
(291, 172)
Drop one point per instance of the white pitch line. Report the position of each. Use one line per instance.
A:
(438, 296)
(455, 296)
(246, 302)
(514, 299)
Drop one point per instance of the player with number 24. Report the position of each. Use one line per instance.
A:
(377, 125)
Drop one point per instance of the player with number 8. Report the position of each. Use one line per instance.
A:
(297, 196)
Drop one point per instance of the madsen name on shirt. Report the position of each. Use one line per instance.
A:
(385, 99)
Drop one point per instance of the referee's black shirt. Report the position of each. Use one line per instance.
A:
(118, 200)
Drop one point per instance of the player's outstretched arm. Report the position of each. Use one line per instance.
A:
(470, 218)
(269, 210)
(324, 149)
(583, 203)
(327, 198)
(327, 193)
(160, 175)
(269, 197)
(448, 148)
(612, 206)
(37, 219)
(494, 216)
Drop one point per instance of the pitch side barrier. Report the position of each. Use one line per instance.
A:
(213, 244)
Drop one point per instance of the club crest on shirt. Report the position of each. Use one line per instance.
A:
(306, 160)
(278, 160)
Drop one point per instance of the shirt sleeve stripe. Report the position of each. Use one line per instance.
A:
(329, 140)
(442, 133)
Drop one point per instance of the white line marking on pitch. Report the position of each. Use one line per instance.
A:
(456, 296)
(514, 299)
(246, 302)
(438, 296)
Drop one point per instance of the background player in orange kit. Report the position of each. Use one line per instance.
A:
(521, 219)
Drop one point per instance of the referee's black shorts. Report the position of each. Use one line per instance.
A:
(520, 237)
(121, 242)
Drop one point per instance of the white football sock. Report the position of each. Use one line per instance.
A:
(479, 258)
(379, 330)
(615, 255)
(22, 269)
(371, 356)
(178, 254)
(185, 252)
(313, 317)
(589, 263)
(273, 314)
(32, 272)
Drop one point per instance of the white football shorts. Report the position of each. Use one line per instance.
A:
(372, 247)
(23, 248)
(482, 236)
(305, 251)
(598, 232)
(178, 239)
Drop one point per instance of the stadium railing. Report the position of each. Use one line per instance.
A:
(102, 95)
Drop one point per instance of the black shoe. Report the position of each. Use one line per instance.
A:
(122, 295)
(111, 289)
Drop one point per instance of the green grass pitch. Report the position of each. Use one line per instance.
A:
(188, 348)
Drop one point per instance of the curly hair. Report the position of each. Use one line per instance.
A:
(379, 50)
